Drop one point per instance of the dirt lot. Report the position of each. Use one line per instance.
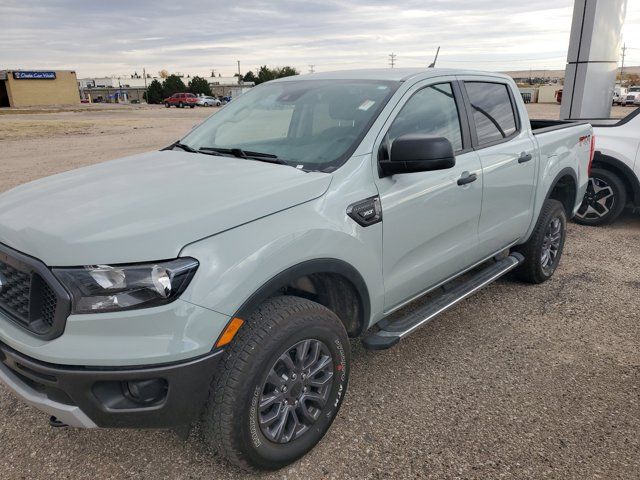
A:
(516, 382)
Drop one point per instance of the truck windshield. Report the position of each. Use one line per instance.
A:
(310, 124)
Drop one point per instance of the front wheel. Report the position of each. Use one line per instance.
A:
(604, 199)
(280, 385)
(543, 250)
(167, 104)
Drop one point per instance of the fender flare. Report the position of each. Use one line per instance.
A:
(567, 171)
(319, 265)
(622, 170)
(563, 173)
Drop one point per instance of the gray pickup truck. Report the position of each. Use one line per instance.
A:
(220, 279)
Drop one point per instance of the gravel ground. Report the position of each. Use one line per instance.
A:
(516, 382)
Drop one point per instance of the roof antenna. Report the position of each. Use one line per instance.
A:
(433, 65)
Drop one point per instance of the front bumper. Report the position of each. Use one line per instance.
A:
(90, 397)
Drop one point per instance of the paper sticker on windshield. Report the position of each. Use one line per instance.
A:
(366, 105)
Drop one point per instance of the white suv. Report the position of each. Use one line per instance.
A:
(615, 177)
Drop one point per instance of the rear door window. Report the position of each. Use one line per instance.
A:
(492, 110)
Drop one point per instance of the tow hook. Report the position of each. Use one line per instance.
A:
(55, 423)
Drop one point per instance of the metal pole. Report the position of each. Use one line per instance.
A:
(592, 59)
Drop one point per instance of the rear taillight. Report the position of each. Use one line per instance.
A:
(592, 153)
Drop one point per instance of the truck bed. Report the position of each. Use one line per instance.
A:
(539, 126)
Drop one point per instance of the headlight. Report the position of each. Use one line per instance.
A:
(107, 288)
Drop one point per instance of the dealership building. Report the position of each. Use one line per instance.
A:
(25, 88)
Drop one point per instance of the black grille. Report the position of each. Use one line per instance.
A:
(30, 295)
(15, 292)
(48, 307)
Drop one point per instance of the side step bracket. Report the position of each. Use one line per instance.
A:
(391, 332)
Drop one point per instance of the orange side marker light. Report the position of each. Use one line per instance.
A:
(229, 331)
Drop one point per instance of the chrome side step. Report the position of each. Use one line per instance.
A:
(391, 332)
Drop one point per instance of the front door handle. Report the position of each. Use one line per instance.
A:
(467, 178)
(524, 157)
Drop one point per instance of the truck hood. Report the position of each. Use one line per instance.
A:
(146, 207)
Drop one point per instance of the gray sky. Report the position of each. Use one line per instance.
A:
(104, 37)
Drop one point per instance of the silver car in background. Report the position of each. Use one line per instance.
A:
(208, 102)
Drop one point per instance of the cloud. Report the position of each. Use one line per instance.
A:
(195, 36)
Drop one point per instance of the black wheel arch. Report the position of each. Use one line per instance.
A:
(564, 188)
(622, 171)
(331, 282)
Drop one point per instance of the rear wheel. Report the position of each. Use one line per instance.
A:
(280, 384)
(604, 199)
(543, 250)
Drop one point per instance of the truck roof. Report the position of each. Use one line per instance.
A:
(390, 74)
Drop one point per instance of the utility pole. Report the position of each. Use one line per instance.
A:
(239, 68)
(392, 59)
(624, 51)
(311, 69)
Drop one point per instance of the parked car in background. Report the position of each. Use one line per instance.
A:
(181, 100)
(615, 177)
(208, 102)
(619, 93)
(632, 97)
(224, 290)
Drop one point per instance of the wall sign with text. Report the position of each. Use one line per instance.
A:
(23, 75)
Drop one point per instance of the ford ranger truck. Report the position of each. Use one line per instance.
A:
(220, 279)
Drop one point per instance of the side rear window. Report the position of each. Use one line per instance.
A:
(492, 110)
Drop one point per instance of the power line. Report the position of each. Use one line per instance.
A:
(392, 59)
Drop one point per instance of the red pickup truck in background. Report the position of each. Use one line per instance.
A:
(181, 100)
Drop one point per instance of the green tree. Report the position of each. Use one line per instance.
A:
(173, 84)
(286, 72)
(249, 77)
(199, 85)
(265, 74)
(154, 93)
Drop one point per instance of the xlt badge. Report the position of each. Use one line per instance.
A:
(366, 212)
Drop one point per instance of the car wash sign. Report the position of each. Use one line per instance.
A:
(26, 75)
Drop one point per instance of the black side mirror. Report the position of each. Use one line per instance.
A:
(418, 153)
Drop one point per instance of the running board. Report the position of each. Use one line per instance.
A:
(391, 332)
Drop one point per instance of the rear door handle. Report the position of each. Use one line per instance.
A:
(467, 178)
(524, 157)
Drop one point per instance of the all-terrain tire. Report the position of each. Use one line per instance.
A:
(615, 203)
(231, 423)
(534, 269)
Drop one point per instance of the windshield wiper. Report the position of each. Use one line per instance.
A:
(182, 146)
(239, 153)
(186, 148)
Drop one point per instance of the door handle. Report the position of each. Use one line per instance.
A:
(524, 157)
(467, 178)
